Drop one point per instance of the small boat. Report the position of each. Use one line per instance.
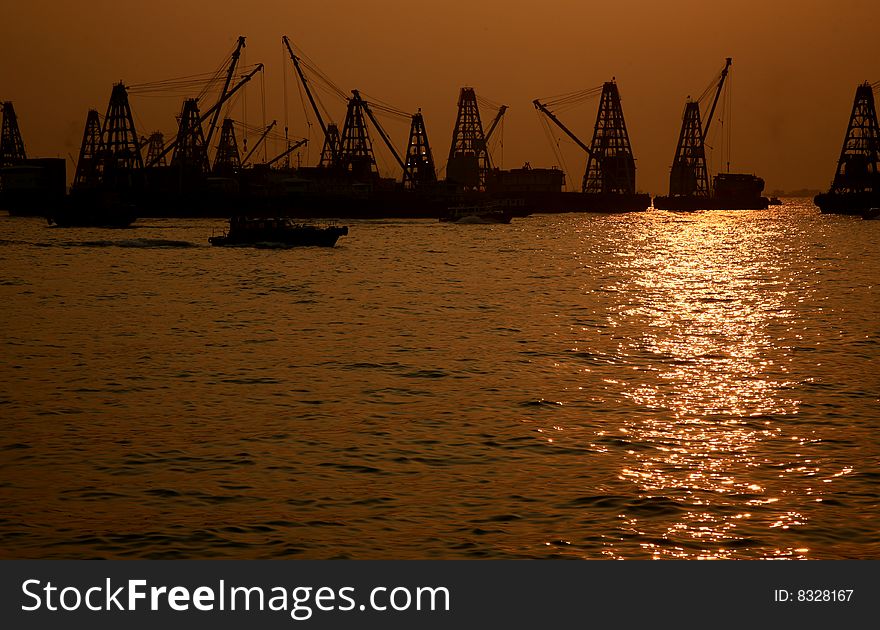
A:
(277, 232)
(775, 201)
(871, 213)
(480, 214)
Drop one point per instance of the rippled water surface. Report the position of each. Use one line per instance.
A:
(631, 386)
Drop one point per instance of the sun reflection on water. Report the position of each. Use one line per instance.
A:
(715, 389)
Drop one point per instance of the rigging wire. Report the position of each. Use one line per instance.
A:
(184, 85)
(554, 145)
(308, 117)
(140, 125)
(323, 84)
(501, 143)
(729, 116)
(174, 83)
(263, 111)
(215, 80)
(497, 141)
(485, 103)
(244, 99)
(286, 109)
(306, 110)
(273, 135)
(382, 106)
(306, 62)
(713, 85)
(380, 148)
(386, 166)
(488, 103)
(561, 102)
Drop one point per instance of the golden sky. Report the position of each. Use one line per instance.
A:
(796, 64)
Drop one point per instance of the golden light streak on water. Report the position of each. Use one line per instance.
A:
(702, 315)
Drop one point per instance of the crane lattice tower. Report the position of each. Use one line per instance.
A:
(689, 176)
(11, 145)
(155, 146)
(419, 170)
(468, 163)
(228, 160)
(88, 166)
(331, 146)
(611, 167)
(858, 169)
(191, 152)
(120, 154)
(356, 149)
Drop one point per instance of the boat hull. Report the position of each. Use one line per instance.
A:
(303, 236)
(847, 203)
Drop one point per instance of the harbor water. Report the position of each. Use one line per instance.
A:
(644, 385)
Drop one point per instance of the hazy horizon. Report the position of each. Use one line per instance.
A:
(795, 69)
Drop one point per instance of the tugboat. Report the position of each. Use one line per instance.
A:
(278, 232)
(483, 213)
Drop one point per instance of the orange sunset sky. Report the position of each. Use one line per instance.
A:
(795, 67)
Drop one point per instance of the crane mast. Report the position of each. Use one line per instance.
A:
(541, 108)
(287, 151)
(305, 84)
(495, 122)
(229, 74)
(259, 142)
(727, 63)
(381, 131)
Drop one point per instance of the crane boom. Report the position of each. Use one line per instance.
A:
(495, 122)
(305, 84)
(717, 94)
(379, 128)
(260, 141)
(229, 74)
(540, 107)
(208, 113)
(287, 151)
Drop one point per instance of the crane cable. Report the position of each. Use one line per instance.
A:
(384, 107)
(244, 105)
(562, 102)
(324, 84)
(554, 144)
(263, 111)
(286, 110)
(713, 85)
(728, 114)
(302, 99)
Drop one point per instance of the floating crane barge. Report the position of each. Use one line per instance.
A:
(609, 182)
(689, 187)
(856, 185)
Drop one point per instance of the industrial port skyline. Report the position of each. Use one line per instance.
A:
(790, 100)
